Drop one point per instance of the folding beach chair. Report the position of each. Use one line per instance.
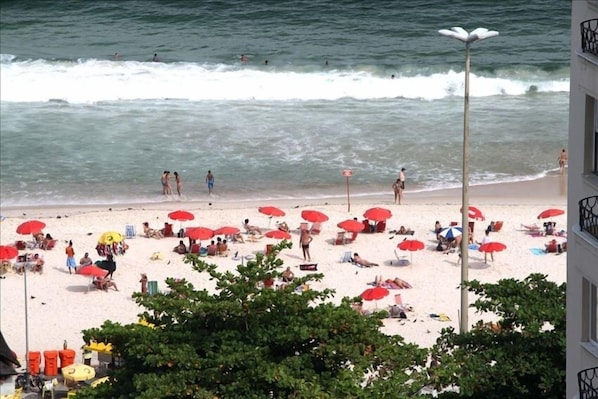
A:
(130, 231)
(346, 257)
(316, 228)
(152, 287)
(340, 238)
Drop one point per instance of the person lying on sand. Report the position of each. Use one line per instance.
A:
(363, 262)
(104, 283)
(151, 233)
(395, 283)
(250, 228)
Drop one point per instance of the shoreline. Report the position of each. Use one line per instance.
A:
(547, 189)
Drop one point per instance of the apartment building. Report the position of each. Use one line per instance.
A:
(582, 207)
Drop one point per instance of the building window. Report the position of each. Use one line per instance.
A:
(593, 314)
(591, 136)
(589, 330)
(595, 163)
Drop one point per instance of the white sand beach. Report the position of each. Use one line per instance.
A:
(59, 306)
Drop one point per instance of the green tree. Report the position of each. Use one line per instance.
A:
(520, 356)
(248, 341)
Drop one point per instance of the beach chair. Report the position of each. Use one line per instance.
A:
(194, 249)
(167, 232)
(398, 300)
(401, 260)
(497, 226)
(316, 228)
(303, 226)
(346, 257)
(130, 231)
(152, 287)
(380, 226)
(340, 238)
(51, 244)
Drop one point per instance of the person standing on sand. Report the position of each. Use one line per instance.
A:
(396, 187)
(210, 182)
(179, 184)
(562, 160)
(401, 186)
(71, 263)
(304, 240)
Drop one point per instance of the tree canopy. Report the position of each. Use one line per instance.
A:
(245, 340)
(522, 355)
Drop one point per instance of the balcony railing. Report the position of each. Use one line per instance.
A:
(589, 36)
(588, 383)
(588, 215)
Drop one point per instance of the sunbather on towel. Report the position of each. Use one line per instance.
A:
(151, 233)
(395, 283)
(250, 228)
(360, 261)
(405, 230)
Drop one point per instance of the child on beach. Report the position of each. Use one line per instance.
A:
(71, 263)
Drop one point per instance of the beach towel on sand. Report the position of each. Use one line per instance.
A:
(440, 317)
(538, 251)
(309, 266)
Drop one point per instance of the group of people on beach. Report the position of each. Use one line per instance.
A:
(399, 186)
(165, 180)
(167, 188)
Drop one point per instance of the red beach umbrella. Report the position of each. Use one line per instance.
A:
(199, 233)
(411, 245)
(31, 227)
(181, 216)
(492, 247)
(314, 216)
(373, 294)
(8, 252)
(92, 271)
(351, 225)
(548, 213)
(278, 234)
(474, 213)
(271, 211)
(377, 214)
(226, 230)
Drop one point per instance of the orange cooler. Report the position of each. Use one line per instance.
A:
(67, 357)
(51, 363)
(34, 359)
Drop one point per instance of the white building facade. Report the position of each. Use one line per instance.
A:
(582, 207)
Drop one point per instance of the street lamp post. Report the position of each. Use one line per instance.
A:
(467, 38)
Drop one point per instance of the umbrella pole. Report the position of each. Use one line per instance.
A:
(26, 387)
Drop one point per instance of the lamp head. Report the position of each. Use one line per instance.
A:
(461, 34)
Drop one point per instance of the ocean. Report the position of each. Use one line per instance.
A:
(366, 86)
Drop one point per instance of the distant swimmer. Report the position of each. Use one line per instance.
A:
(243, 58)
(266, 62)
(326, 62)
(562, 160)
(392, 76)
(156, 59)
(116, 56)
